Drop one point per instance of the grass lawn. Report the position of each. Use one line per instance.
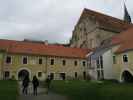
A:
(8, 90)
(86, 90)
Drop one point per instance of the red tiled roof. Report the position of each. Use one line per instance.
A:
(20, 47)
(115, 40)
(105, 21)
(125, 39)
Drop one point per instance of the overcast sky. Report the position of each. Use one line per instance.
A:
(51, 20)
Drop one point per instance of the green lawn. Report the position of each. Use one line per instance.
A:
(85, 90)
(8, 90)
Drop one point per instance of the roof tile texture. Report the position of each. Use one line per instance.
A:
(20, 47)
(106, 21)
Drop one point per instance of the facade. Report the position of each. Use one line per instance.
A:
(101, 64)
(124, 66)
(106, 35)
(113, 61)
(93, 28)
(123, 57)
(110, 56)
(20, 58)
(102, 61)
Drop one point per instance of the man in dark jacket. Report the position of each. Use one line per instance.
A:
(25, 85)
(35, 83)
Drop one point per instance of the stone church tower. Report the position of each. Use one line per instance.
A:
(93, 28)
(127, 17)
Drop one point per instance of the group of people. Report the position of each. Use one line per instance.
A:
(26, 82)
(35, 83)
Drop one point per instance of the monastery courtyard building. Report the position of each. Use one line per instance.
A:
(102, 33)
(20, 58)
(100, 48)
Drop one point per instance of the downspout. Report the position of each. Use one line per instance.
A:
(2, 64)
(46, 65)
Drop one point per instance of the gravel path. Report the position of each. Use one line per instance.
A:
(42, 95)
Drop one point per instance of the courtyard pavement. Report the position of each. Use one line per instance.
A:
(42, 95)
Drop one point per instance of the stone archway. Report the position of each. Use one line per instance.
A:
(22, 73)
(127, 76)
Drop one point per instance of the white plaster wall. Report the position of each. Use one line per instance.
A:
(108, 65)
(93, 70)
(93, 74)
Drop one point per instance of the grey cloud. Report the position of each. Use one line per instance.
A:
(51, 20)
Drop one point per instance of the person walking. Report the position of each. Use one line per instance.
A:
(48, 81)
(25, 84)
(35, 83)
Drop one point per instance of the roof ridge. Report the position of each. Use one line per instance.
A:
(106, 15)
(106, 22)
(22, 47)
(16, 43)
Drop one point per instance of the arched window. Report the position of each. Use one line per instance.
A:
(125, 58)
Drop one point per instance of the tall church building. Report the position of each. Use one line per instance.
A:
(93, 28)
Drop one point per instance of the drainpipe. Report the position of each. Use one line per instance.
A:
(46, 66)
(2, 64)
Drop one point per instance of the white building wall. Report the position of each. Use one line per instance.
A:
(108, 65)
(93, 70)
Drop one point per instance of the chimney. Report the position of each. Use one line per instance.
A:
(46, 42)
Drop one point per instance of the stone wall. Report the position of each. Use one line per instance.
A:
(88, 34)
(33, 66)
